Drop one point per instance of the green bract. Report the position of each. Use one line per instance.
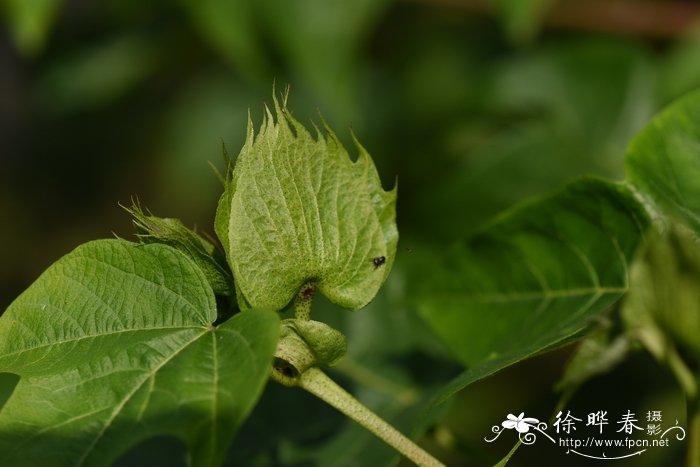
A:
(172, 232)
(297, 210)
(304, 344)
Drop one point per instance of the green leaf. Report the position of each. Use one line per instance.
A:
(321, 42)
(8, 381)
(302, 212)
(663, 161)
(571, 107)
(29, 22)
(223, 213)
(534, 276)
(230, 29)
(663, 305)
(661, 310)
(599, 352)
(172, 232)
(97, 75)
(521, 18)
(472, 375)
(679, 72)
(114, 344)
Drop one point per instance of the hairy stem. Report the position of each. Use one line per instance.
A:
(302, 302)
(321, 386)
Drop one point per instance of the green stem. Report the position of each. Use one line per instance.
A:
(302, 302)
(693, 459)
(321, 386)
(505, 460)
(693, 420)
(683, 374)
(689, 385)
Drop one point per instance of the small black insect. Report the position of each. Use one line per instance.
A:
(378, 261)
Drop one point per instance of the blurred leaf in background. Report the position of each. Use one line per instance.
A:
(30, 22)
(473, 107)
(550, 115)
(96, 76)
(534, 276)
(231, 29)
(521, 18)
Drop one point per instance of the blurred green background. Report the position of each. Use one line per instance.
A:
(472, 105)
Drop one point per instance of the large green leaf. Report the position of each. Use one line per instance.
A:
(301, 211)
(114, 344)
(534, 276)
(663, 161)
(663, 307)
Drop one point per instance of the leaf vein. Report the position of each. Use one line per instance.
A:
(131, 394)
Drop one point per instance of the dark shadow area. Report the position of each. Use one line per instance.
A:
(8, 381)
(143, 446)
(159, 450)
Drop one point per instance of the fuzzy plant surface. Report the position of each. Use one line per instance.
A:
(177, 334)
(298, 210)
(119, 341)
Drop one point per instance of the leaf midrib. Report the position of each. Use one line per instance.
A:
(131, 394)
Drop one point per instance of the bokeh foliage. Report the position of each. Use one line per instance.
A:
(102, 101)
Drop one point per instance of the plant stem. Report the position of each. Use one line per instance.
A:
(683, 374)
(689, 384)
(505, 460)
(302, 302)
(693, 420)
(321, 386)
